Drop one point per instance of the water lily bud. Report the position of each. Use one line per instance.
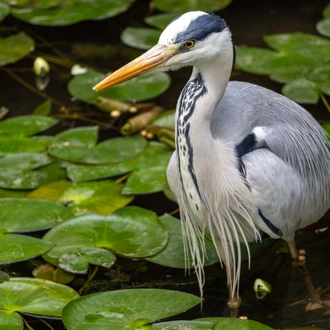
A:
(41, 67)
(261, 288)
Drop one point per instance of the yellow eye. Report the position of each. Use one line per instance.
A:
(189, 43)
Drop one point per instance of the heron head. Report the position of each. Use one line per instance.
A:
(189, 39)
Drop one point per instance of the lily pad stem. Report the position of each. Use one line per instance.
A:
(27, 324)
(90, 277)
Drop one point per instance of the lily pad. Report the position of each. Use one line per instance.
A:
(173, 254)
(188, 5)
(26, 125)
(161, 21)
(139, 89)
(14, 48)
(186, 325)
(78, 145)
(20, 171)
(71, 12)
(10, 320)
(17, 144)
(102, 197)
(155, 155)
(77, 262)
(131, 232)
(23, 215)
(141, 38)
(128, 309)
(323, 27)
(4, 11)
(302, 91)
(47, 272)
(14, 247)
(35, 296)
(43, 109)
(230, 323)
(165, 119)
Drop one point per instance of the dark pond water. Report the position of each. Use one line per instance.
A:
(249, 20)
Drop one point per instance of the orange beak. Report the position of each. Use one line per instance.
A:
(147, 62)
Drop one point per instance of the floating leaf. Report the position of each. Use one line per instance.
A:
(15, 248)
(43, 109)
(161, 21)
(51, 192)
(79, 145)
(132, 232)
(47, 272)
(14, 48)
(188, 5)
(230, 323)
(292, 41)
(301, 90)
(71, 12)
(155, 155)
(17, 144)
(165, 119)
(17, 170)
(138, 89)
(186, 325)
(26, 125)
(10, 320)
(4, 11)
(129, 309)
(173, 254)
(23, 215)
(78, 261)
(320, 73)
(35, 296)
(141, 38)
(102, 197)
(146, 181)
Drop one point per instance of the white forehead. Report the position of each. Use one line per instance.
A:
(179, 25)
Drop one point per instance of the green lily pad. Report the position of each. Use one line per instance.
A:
(230, 323)
(188, 5)
(14, 48)
(77, 262)
(186, 325)
(35, 296)
(161, 21)
(131, 232)
(71, 12)
(141, 38)
(24, 215)
(17, 144)
(301, 90)
(320, 73)
(26, 125)
(327, 129)
(43, 109)
(102, 197)
(129, 309)
(4, 11)
(146, 181)
(140, 88)
(155, 155)
(3, 276)
(23, 170)
(173, 254)
(11, 320)
(165, 119)
(47, 272)
(78, 145)
(13, 193)
(292, 41)
(14, 247)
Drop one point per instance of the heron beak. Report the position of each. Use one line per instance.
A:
(147, 62)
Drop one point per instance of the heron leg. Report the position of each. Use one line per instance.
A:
(234, 301)
(299, 261)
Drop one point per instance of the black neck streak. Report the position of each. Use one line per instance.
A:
(194, 89)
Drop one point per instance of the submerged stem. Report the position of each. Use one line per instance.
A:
(325, 102)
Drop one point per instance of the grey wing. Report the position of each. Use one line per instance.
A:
(282, 151)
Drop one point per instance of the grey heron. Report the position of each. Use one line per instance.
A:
(247, 160)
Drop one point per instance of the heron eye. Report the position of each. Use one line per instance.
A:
(189, 44)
